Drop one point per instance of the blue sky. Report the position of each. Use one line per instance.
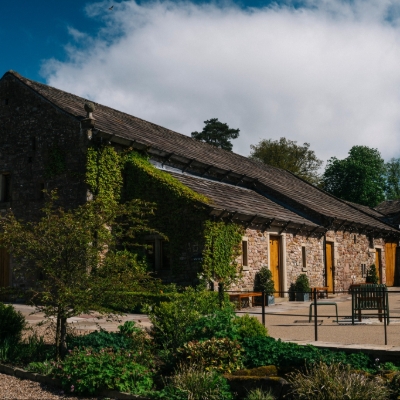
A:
(324, 72)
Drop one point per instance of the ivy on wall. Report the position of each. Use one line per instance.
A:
(55, 164)
(181, 214)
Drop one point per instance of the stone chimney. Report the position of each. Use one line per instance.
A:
(88, 123)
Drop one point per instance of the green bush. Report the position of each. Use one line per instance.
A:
(12, 323)
(99, 340)
(191, 383)
(264, 281)
(44, 368)
(302, 284)
(372, 275)
(248, 327)
(172, 319)
(261, 351)
(88, 371)
(334, 382)
(31, 349)
(223, 355)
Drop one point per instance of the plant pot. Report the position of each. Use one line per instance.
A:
(300, 296)
(270, 300)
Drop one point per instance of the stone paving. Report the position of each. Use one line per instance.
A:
(285, 320)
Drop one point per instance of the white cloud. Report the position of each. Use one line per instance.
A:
(327, 73)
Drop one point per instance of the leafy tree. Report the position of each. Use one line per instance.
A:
(217, 134)
(393, 179)
(359, 178)
(287, 154)
(76, 260)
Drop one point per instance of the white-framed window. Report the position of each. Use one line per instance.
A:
(245, 252)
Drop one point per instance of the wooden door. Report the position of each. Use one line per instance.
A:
(329, 266)
(390, 257)
(274, 257)
(4, 268)
(378, 264)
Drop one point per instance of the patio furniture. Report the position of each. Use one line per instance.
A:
(369, 297)
(243, 296)
(323, 303)
(321, 291)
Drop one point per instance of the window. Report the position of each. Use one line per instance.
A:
(245, 261)
(5, 192)
(364, 270)
(304, 258)
(165, 255)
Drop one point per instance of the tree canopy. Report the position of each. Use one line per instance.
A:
(393, 179)
(359, 178)
(287, 154)
(76, 261)
(217, 134)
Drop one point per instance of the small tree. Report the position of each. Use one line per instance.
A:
(217, 134)
(264, 281)
(70, 257)
(372, 275)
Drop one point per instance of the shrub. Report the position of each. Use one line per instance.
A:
(248, 327)
(302, 284)
(264, 281)
(261, 351)
(191, 383)
(259, 394)
(99, 340)
(223, 355)
(336, 382)
(44, 368)
(372, 275)
(87, 371)
(172, 319)
(32, 349)
(12, 323)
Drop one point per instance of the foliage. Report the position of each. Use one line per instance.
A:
(88, 371)
(99, 340)
(359, 178)
(302, 284)
(287, 154)
(248, 327)
(12, 323)
(222, 354)
(217, 134)
(43, 368)
(259, 394)
(193, 383)
(66, 248)
(392, 175)
(372, 275)
(171, 320)
(334, 382)
(220, 253)
(264, 281)
(260, 351)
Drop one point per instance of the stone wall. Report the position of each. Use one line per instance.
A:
(34, 136)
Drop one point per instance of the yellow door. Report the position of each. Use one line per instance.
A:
(329, 266)
(4, 268)
(378, 264)
(390, 257)
(274, 252)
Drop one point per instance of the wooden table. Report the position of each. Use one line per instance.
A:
(243, 295)
(319, 289)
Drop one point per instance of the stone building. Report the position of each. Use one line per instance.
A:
(290, 225)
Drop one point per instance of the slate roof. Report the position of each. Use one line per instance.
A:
(288, 187)
(368, 210)
(240, 200)
(389, 207)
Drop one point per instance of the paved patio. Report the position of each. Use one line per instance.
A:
(285, 320)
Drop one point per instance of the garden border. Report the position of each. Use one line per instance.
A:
(32, 376)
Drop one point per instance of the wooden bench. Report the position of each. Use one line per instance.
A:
(320, 290)
(240, 296)
(323, 303)
(368, 297)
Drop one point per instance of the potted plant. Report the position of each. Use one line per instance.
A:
(265, 282)
(372, 275)
(302, 288)
(292, 292)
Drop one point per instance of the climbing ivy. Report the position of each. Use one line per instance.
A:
(181, 214)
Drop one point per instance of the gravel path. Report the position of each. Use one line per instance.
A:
(21, 389)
